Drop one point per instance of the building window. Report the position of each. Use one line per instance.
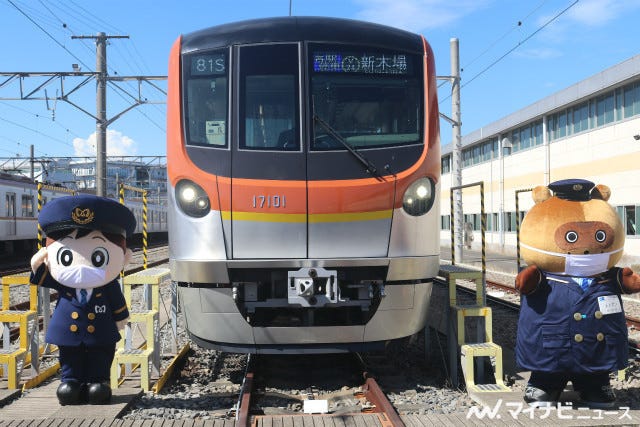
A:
(446, 164)
(631, 100)
(581, 118)
(604, 109)
(562, 125)
(525, 137)
(445, 222)
(537, 133)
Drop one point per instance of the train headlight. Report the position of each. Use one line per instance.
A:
(192, 199)
(419, 197)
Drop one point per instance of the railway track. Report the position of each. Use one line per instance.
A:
(367, 397)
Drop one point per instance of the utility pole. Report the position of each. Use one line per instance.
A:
(101, 108)
(32, 174)
(456, 155)
(457, 144)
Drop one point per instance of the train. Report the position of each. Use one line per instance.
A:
(19, 213)
(303, 161)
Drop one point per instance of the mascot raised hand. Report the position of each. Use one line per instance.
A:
(84, 254)
(572, 325)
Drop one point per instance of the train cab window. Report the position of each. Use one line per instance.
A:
(368, 97)
(206, 98)
(269, 111)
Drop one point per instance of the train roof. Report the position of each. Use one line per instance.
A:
(293, 28)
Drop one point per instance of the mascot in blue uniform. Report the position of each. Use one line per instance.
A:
(84, 254)
(572, 325)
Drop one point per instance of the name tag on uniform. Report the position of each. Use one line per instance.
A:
(609, 304)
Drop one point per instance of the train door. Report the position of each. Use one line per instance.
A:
(268, 185)
(11, 214)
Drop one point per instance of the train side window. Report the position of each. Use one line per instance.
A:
(11, 205)
(206, 98)
(27, 206)
(269, 107)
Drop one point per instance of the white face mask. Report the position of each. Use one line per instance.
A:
(80, 276)
(580, 265)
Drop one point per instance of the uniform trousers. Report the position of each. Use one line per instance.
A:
(86, 364)
(551, 381)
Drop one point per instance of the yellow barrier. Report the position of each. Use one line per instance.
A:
(127, 353)
(11, 356)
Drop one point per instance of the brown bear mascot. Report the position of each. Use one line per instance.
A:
(572, 325)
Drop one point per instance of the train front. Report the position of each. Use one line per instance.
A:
(304, 167)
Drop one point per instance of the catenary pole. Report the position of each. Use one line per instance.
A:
(101, 109)
(456, 176)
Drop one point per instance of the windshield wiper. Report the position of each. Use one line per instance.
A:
(370, 167)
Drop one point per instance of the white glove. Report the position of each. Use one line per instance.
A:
(122, 323)
(38, 259)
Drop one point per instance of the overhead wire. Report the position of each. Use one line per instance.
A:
(36, 131)
(556, 16)
(93, 19)
(502, 37)
(520, 43)
(81, 19)
(47, 33)
(56, 122)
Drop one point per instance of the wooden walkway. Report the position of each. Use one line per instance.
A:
(40, 408)
(500, 418)
(41, 403)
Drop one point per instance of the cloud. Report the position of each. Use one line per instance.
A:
(594, 13)
(117, 145)
(417, 15)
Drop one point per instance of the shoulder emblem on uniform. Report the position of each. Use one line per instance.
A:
(82, 216)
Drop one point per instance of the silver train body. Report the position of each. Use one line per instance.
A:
(19, 212)
(302, 244)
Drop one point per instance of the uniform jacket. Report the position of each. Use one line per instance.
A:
(565, 329)
(91, 324)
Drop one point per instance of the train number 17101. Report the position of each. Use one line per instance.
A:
(275, 201)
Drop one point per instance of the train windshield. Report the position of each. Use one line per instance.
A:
(371, 98)
(206, 98)
(269, 106)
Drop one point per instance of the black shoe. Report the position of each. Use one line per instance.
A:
(99, 394)
(69, 393)
(600, 398)
(537, 397)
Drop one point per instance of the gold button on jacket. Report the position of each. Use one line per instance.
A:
(577, 316)
(598, 315)
(91, 316)
(91, 329)
(600, 336)
(74, 315)
(73, 328)
(578, 338)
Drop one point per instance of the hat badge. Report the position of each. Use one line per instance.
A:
(82, 216)
(577, 187)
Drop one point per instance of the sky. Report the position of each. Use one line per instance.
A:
(512, 54)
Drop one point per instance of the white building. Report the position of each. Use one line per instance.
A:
(590, 130)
